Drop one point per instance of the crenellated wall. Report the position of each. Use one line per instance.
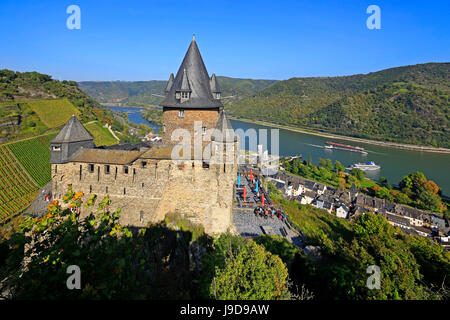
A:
(146, 194)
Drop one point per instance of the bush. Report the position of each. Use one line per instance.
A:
(240, 269)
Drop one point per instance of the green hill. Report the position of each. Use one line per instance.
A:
(33, 104)
(407, 104)
(140, 92)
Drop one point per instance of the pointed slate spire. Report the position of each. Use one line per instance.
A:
(214, 84)
(169, 83)
(185, 82)
(73, 131)
(192, 71)
(224, 130)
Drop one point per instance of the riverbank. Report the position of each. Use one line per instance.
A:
(335, 136)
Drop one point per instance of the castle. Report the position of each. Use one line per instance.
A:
(191, 172)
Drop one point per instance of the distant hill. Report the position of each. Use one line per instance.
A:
(407, 104)
(140, 92)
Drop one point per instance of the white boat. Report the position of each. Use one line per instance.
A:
(365, 166)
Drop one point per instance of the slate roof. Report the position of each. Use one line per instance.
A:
(438, 221)
(73, 131)
(164, 152)
(192, 75)
(353, 189)
(169, 83)
(397, 219)
(105, 156)
(214, 84)
(224, 130)
(127, 146)
(279, 185)
(310, 194)
(309, 184)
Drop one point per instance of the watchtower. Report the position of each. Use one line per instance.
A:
(69, 140)
(191, 96)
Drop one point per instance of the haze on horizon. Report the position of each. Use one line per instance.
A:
(146, 40)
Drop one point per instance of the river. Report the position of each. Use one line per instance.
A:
(395, 163)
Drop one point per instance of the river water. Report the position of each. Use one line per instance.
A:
(395, 163)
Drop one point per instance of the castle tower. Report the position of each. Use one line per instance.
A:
(70, 139)
(191, 96)
(225, 144)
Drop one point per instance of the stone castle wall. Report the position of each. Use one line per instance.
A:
(172, 121)
(146, 194)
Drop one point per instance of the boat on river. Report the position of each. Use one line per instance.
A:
(345, 147)
(368, 166)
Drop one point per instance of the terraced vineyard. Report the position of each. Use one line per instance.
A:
(53, 112)
(34, 155)
(17, 190)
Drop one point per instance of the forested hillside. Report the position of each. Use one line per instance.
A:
(406, 104)
(141, 92)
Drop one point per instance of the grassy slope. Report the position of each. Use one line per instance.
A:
(53, 113)
(406, 104)
(102, 136)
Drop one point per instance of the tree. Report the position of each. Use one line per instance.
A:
(242, 270)
(338, 167)
(357, 173)
(106, 253)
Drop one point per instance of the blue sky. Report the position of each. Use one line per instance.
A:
(278, 39)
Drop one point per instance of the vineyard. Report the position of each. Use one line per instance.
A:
(34, 156)
(17, 190)
(102, 136)
(53, 112)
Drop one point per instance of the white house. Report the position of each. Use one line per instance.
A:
(341, 211)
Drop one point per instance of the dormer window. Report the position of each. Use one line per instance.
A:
(217, 95)
(181, 113)
(182, 95)
(56, 148)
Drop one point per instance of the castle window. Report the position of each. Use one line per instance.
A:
(106, 189)
(203, 130)
(141, 216)
(205, 165)
(56, 168)
(107, 169)
(90, 189)
(91, 168)
(142, 184)
(181, 112)
(124, 190)
(164, 128)
(143, 164)
(81, 171)
(125, 169)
